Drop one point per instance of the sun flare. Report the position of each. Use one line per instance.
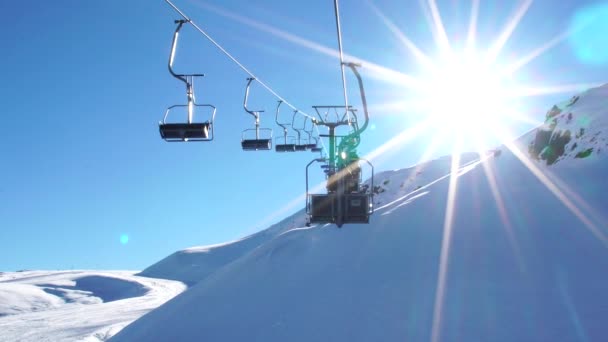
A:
(466, 96)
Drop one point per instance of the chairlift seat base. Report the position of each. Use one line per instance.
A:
(285, 147)
(256, 144)
(185, 131)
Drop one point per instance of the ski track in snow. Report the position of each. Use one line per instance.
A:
(76, 305)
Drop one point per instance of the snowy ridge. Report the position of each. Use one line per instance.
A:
(522, 264)
(576, 130)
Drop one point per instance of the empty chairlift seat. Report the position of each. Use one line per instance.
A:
(284, 143)
(285, 147)
(188, 131)
(252, 141)
(255, 139)
(256, 144)
(357, 208)
(324, 208)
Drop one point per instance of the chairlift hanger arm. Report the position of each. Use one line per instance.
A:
(308, 132)
(280, 102)
(293, 126)
(351, 141)
(254, 113)
(181, 77)
(353, 67)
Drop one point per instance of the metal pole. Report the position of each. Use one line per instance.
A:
(337, 10)
(340, 201)
(190, 100)
(332, 147)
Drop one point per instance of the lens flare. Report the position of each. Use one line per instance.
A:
(590, 34)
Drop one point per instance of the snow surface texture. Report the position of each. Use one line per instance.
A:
(76, 305)
(530, 266)
(576, 129)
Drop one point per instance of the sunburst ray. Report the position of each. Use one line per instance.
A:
(501, 207)
(557, 192)
(440, 291)
(415, 50)
(472, 31)
(508, 30)
(512, 68)
(375, 70)
(438, 29)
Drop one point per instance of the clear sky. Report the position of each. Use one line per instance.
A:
(87, 182)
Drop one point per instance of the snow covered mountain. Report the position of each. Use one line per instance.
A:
(76, 305)
(523, 257)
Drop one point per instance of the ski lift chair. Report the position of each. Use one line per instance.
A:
(299, 146)
(343, 202)
(248, 143)
(281, 143)
(190, 130)
(284, 147)
(314, 147)
(255, 139)
(187, 131)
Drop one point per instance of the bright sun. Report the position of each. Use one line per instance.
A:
(466, 97)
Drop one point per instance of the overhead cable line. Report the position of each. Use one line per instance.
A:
(235, 60)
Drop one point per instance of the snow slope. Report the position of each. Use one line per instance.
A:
(194, 264)
(530, 266)
(76, 305)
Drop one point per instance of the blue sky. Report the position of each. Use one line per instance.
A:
(84, 85)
